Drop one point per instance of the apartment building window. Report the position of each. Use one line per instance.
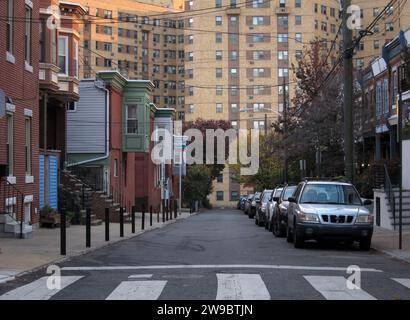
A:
(218, 108)
(27, 34)
(258, 72)
(190, 56)
(258, 37)
(258, 107)
(145, 20)
(219, 90)
(233, 55)
(63, 54)
(282, 3)
(282, 37)
(27, 145)
(323, 10)
(218, 55)
(156, 38)
(298, 54)
(234, 196)
(42, 43)
(283, 55)
(181, 69)
(171, 100)
(155, 68)
(181, 38)
(234, 91)
(258, 3)
(219, 196)
(107, 46)
(156, 84)
(218, 72)
(233, 21)
(132, 119)
(218, 20)
(9, 26)
(144, 36)
(376, 12)
(218, 3)
(170, 84)
(191, 91)
(234, 72)
(157, 99)
(10, 143)
(170, 69)
(181, 85)
(360, 63)
(191, 39)
(298, 37)
(181, 54)
(316, 24)
(232, 3)
(298, 3)
(283, 21)
(220, 178)
(376, 28)
(157, 22)
(218, 37)
(259, 20)
(191, 108)
(234, 124)
(107, 63)
(333, 28)
(389, 26)
(259, 124)
(190, 73)
(376, 44)
(316, 8)
(360, 46)
(156, 53)
(259, 55)
(234, 107)
(324, 26)
(233, 38)
(181, 99)
(280, 89)
(333, 12)
(298, 20)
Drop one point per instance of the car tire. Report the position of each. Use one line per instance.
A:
(298, 241)
(365, 244)
(289, 237)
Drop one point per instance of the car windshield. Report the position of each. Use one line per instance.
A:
(330, 194)
(289, 191)
(250, 196)
(266, 195)
(278, 192)
(257, 195)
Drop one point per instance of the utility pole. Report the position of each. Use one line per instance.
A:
(285, 131)
(266, 125)
(400, 140)
(348, 92)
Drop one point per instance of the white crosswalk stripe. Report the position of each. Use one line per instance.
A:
(335, 288)
(403, 281)
(38, 290)
(138, 290)
(241, 287)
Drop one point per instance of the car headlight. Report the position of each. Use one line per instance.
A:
(364, 218)
(308, 217)
(254, 203)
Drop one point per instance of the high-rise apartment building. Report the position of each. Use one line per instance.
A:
(239, 58)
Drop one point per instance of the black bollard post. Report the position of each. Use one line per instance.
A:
(88, 227)
(107, 224)
(143, 218)
(150, 216)
(63, 243)
(133, 219)
(170, 209)
(158, 215)
(121, 222)
(175, 209)
(163, 210)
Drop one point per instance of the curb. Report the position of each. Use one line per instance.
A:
(392, 255)
(85, 251)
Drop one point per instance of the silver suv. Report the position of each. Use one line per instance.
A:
(328, 210)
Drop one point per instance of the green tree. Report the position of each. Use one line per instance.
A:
(197, 183)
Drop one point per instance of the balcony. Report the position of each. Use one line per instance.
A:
(48, 76)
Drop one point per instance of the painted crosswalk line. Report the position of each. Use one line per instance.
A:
(38, 290)
(403, 281)
(335, 288)
(138, 290)
(241, 287)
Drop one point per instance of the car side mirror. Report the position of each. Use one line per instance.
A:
(292, 199)
(367, 202)
(276, 199)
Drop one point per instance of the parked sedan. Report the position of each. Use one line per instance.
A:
(252, 210)
(261, 207)
(242, 202)
(329, 210)
(248, 203)
(280, 213)
(271, 206)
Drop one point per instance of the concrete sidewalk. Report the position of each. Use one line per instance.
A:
(387, 241)
(18, 256)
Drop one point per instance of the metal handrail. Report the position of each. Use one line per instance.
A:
(388, 188)
(11, 191)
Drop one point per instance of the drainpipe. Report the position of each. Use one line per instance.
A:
(107, 134)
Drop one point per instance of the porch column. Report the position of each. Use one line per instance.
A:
(378, 148)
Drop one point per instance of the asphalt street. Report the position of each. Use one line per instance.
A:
(219, 254)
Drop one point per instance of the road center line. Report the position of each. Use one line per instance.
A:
(211, 266)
